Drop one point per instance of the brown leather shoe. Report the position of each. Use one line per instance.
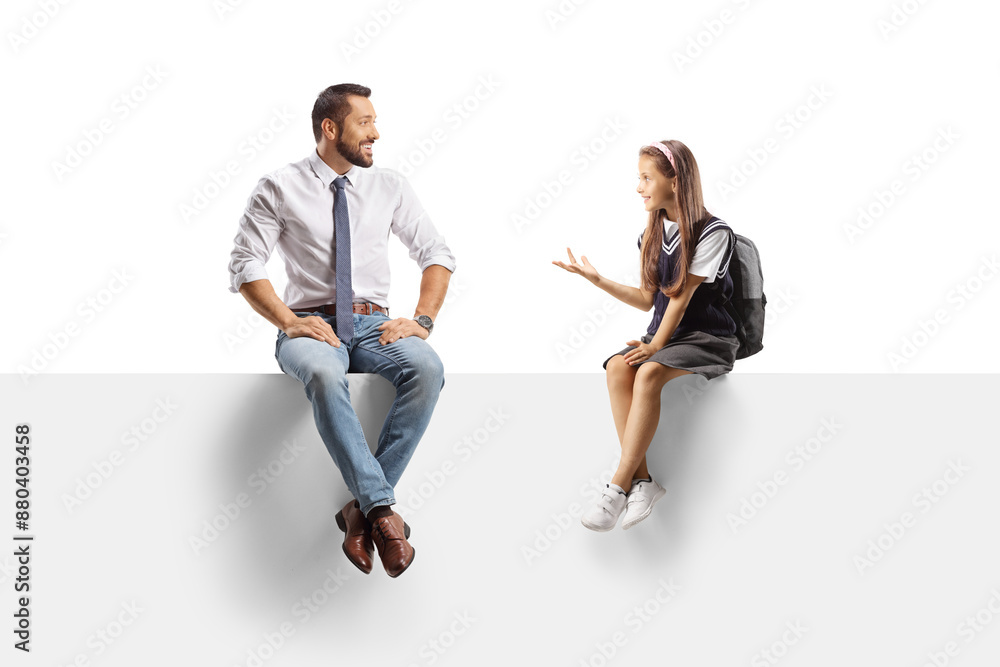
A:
(357, 536)
(388, 534)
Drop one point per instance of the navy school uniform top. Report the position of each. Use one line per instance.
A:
(705, 312)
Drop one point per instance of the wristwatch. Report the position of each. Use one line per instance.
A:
(425, 322)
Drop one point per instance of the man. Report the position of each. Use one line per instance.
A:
(330, 215)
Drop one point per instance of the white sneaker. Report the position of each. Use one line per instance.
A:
(605, 512)
(641, 498)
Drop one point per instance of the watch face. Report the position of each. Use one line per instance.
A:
(425, 322)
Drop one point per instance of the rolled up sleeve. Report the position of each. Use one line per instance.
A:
(414, 228)
(258, 233)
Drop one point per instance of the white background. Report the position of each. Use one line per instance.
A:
(838, 303)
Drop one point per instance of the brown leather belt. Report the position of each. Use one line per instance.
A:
(364, 308)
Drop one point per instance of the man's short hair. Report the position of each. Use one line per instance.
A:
(332, 103)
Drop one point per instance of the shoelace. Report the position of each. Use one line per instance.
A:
(378, 525)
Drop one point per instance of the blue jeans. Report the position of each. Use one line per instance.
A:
(410, 364)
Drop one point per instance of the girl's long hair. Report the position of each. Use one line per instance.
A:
(691, 211)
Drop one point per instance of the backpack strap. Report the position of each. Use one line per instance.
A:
(714, 224)
(737, 279)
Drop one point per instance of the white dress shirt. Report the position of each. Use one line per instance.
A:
(293, 209)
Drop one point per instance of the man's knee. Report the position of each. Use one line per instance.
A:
(424, 366)
(315, 371)
(431, 370)
(324, 378)
(326, 374)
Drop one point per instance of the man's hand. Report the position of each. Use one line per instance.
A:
(313, 327)
(398, 328)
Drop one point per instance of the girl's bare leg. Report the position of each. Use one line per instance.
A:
(621, 377)
(642, 419)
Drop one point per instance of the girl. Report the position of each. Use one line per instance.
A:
(684, 256)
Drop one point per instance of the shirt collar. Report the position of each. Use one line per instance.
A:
(327, 175)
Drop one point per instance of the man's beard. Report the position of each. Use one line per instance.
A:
(353, 153)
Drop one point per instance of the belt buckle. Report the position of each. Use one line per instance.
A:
(368, 308)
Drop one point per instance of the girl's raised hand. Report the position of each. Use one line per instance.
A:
(584, 268)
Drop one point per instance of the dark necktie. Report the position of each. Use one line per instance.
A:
(342, 238)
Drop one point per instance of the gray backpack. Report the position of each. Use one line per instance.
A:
(747, 304)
